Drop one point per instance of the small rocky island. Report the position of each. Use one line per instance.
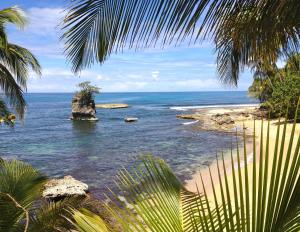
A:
(83, 104)
(112, 106)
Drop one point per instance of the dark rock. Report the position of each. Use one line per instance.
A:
(83, 109)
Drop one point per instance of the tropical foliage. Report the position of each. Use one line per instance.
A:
(285, 93)
(87, 91)
(243, 31)
(277, 88)
(23, 209)
(15, 61)
(6, 116)
(260, 197)
(20, 186)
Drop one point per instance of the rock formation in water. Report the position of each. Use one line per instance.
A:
(82, 108)
(68, 186)
(112, 106)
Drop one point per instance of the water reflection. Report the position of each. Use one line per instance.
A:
(85, 127)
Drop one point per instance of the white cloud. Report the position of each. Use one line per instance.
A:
(155, 75)
(102, 78)
(198, 84)
(45, 21)
(129, 86)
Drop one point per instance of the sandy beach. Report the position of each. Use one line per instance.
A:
(240, 122)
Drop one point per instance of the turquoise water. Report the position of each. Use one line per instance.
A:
(93, 152)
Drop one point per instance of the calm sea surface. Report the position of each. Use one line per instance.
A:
(93, 152)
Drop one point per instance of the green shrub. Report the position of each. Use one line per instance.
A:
(87, 92)
(285, 95)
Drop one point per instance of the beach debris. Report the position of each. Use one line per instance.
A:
(130, 119)
(67, 186)
(112, 106)
(82, 109)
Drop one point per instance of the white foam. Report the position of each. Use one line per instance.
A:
(185, 108)
(189, 123)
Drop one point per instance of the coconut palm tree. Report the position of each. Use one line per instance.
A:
(15, 61)
(243, 31)
(263, 196)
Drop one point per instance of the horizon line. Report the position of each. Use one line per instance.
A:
(200, 91)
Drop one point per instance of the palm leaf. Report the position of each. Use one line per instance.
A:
(14, 15)
(20, 186)
(15, 61)
(12, 90)
(52, 215)
(85, 221)
(242, 31)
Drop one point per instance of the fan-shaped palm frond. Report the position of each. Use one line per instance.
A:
(20, 186)
(52, 215)
(85, 221)
(15, 61)
(12, 90)
(242, 31)
(155, 200)
(263, 196)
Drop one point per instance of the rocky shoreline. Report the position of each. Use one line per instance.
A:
(225, 120)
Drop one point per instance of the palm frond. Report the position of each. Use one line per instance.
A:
(12, 90)
(14, 15)
(20, 186)
(95, 29)
(156, 201)
(19, 61)
(243, 31)
(52, 215)
(85, 221)
(15, 61)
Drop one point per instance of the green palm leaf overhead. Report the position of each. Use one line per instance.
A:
(242, 31)
(15, 61)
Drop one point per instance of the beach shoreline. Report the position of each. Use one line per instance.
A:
(211, 173)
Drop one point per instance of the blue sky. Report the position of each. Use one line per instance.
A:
(184, 68)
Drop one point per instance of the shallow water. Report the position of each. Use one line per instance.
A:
(93, 152)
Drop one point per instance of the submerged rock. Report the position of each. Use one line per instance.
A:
(83, 109)
(67, 186)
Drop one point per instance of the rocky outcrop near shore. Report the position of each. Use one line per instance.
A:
(112, 106)
(221, 120)
(82, 109)
(68, 186)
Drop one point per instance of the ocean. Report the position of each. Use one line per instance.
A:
(93, 152)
